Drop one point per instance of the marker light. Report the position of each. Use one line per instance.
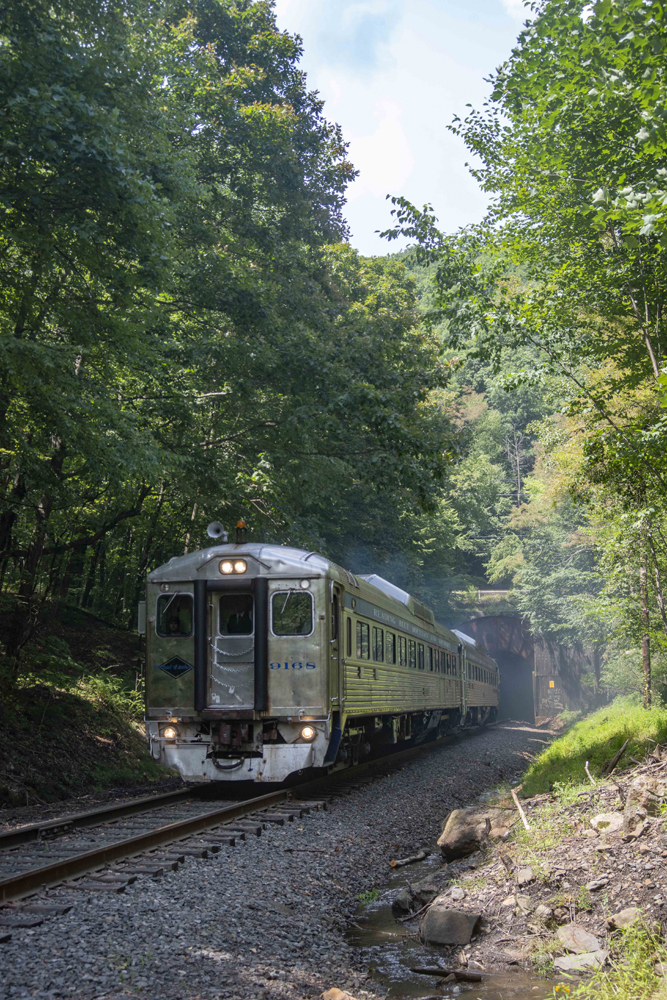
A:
(170, 733)
(226, 567)
(240, 566)
(305, 584)
(308, 733)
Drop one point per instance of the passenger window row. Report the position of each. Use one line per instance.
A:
(383, 646)
(476, 673)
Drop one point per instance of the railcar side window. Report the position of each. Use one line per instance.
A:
(363, 641)
(402, 651)
(349, 637)
(390, 647)
(378, 644)
(420, 656)
(430, 659)
(292, 613)
(174, 615)
(412, 654)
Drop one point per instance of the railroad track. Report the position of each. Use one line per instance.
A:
(109, 848)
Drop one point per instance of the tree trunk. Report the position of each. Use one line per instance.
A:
(84, 600)
(646, 642)
(597, 662)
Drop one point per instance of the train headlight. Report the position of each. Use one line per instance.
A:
(226, 567)
(308, 733)
(240, 566)
(170, 733)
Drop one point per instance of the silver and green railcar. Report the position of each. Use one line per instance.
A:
(263, 661)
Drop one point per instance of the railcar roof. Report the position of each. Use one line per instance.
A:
(283, 559)
(275, 558)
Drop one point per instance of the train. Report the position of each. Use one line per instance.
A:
(265, 661)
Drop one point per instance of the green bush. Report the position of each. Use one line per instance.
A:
(596, 739)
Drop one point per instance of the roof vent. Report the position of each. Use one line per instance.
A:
(421, 611)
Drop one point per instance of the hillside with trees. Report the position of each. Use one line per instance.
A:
(561, 291)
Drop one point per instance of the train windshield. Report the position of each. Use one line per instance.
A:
(174, 615)
(236, 614)
(292, 613)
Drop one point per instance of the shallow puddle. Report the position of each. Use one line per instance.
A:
(390, 948)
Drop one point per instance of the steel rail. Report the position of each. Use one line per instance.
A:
(64, 824)
(41, 878)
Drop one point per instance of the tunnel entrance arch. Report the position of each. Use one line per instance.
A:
(505, 639)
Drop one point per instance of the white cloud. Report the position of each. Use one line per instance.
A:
(384, 159)
(393, 73)
(516, 8)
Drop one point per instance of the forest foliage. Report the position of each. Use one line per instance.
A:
(186, 335)
(563, 288)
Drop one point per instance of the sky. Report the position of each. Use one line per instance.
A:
(393, 73)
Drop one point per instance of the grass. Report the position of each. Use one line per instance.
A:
(369, 896)
(632, 976)
(596, 739)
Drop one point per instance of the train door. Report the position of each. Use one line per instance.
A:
(463, 665)
(232, 659)
(336, 644)
(337, 653)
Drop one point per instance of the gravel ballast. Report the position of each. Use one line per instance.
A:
(267, 918)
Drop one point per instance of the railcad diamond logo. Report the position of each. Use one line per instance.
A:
(175, 666)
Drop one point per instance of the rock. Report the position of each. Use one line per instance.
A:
(581, 963)
(544, 912)
(660, 968)
(457, 893)
(597, 883)
(443, 925)
(523, 904)
(467, 829)
(644, 799)
(608, 822)
(575, 938)
(509, 901)
(561, 914)
(525, 876)
(413, 897)
(402, 901)
(498, 833)
(624, 918)
(335, 994)
(589, 833)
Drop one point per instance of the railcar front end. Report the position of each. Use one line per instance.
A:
(237, 672)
